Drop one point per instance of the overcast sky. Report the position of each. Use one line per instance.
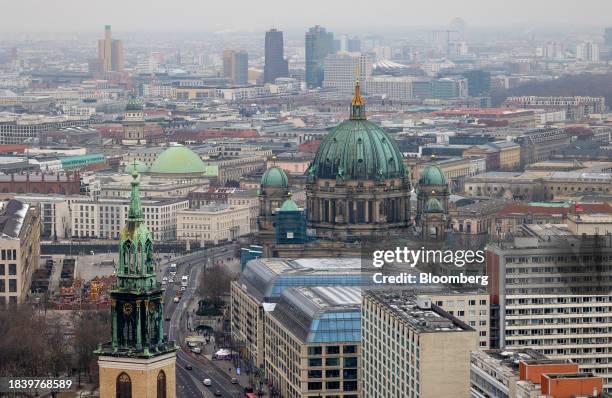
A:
(215, 15)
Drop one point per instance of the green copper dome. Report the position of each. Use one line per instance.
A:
(137, 165)
(289, 205)
(274, 177)
(178, 160)
(432, 175)
(357, 149)
(433, 205)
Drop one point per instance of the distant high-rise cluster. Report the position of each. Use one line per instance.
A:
(587, 51)
(236, 66)
(319, 44)
(275, 63)
(110, 53)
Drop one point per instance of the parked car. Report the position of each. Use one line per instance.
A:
(188, 367)
(218, 393)
(234, 380)
(207, 382)
(177, 299)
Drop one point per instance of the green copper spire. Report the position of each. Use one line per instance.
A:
(137, 307)
(136, 266)
(135, 213)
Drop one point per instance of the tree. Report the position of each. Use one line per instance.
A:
(215, 282)
(90, 328)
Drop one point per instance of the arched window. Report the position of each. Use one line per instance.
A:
(124, 386)
(161, 384)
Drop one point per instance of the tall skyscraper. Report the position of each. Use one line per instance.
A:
(110, 53)
(275, 63)
(236, 66)
(319, 43)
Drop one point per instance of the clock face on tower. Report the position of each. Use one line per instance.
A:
(127, 308)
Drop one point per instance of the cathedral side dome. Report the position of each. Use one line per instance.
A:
(432, 175)
(274, 177)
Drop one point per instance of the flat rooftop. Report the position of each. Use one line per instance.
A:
(407, 305)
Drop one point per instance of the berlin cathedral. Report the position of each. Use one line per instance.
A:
(357, 188)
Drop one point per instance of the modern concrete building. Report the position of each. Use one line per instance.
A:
(312, 342)
(19, 250)
(213, 223)
(413, 348)
(341, 70)
(550, 291)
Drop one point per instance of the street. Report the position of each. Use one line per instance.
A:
(189, 383)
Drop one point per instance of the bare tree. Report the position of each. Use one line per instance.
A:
(215, 282)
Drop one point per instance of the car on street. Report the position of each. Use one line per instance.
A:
(207, 382)
(167, 319)
(234, 380)
(183, 288)
(188, 367)
(218, 393)
(177, 299)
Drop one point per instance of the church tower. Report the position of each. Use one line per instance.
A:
(139, 361)
(133, 124)
(432, 204)
(273, 192)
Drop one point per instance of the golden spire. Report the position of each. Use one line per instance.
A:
(357, 99)
(358, 103)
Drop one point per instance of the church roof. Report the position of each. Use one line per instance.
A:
(289, 205)
(178, 160)
(432, 175)
(275, 177)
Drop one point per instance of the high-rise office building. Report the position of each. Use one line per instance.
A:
(236, 66)
(319, 43)
(275, 63)
(110, 53)
(340, 71)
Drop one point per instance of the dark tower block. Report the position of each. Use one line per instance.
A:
(139, 361)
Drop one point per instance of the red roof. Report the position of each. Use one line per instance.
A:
(13, 148)
(309, 146)
(525, 208)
